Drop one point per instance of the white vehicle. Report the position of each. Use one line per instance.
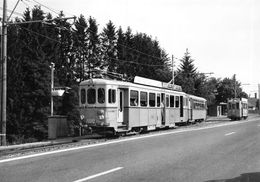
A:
(118, 106)
(238, 108)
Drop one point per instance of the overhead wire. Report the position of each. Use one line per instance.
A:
(133, 62)
(159, 58)
(41, 35)
(13, 10)
(116, 59)
(130, 48)
(46, 7)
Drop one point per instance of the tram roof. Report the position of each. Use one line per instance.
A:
(101, 81)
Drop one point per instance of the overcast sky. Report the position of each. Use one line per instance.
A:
(221, 35)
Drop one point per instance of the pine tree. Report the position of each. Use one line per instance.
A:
(94, 61)
(108, 37)
(187, 74)
(120, 51)
(28, 102)
(80, 46)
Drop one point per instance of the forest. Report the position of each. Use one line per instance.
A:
(80, 50)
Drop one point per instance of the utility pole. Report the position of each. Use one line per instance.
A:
(3, 68)
(259, 98)
(52, 85)
(172, 70)
(3, 74)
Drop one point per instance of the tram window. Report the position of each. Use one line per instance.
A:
(167, 101)
(195, 105)
(186, 102)
(229, 106)
(111, 96)
(134, 98)
(237, 105)
(91, 96)
(101, 95)
(83, 96)
(171, 101)
(233, 106)
(177, 101)
(158, 100)
(152, 99)
(143, 100)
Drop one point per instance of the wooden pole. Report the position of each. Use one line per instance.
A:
(3, 74)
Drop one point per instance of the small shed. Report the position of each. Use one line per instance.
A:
(219, 109)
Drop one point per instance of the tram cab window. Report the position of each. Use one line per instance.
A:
(83, 96)
(111, 96)
(91, 96)
(177, 101)
(158, 100)
(101, 95)
(229, 106)
(152, 99)
(237, 105)
(143, 100)
(134, 98)
(167, 101)
(171, 101)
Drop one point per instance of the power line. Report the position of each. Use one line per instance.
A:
(159, 58)
(46, 7)
(13, 10)
(27, 5)
(131, 62)
(41, 35)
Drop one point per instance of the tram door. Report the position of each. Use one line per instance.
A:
(181, 106)
(163, 105)
(121, 107)
(190, 109)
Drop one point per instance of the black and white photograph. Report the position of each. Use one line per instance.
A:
(129, 91)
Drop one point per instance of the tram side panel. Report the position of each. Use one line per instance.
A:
(198, 109)
(152, 120)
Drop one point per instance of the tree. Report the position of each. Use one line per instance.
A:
(28, 102)
(229, 88)
(65, 59)
(80, 46)
(186, 74)
(109, 39)
(94, 60)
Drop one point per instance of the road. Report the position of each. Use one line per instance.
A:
(223, 153)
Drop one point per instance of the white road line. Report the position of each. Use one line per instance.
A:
(99, 174)
(121, 140)
(229, 133)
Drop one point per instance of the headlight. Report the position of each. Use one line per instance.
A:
(82, 116)
(101, 114)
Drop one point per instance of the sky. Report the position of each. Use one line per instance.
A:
(221, 35)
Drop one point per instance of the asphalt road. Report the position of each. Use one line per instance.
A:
(225, 153)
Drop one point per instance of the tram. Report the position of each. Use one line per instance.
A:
(237, 108)
(118, 106)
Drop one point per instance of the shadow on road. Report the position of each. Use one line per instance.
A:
(246, 177)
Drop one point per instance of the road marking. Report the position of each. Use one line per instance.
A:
(229, 133)
(122, 140)
(99, 174)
